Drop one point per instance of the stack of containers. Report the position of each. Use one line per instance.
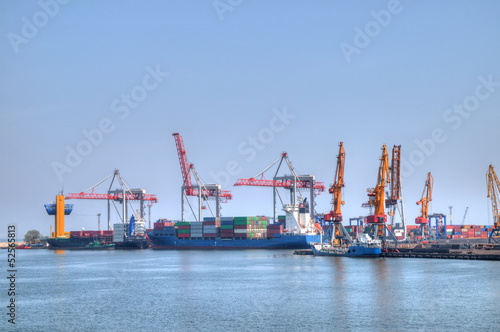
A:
(210, 227)
(169, 230)
(183, 229)
(226, 227)
(282, 219)
(241, 226)
(274, 231)
(158, 226)
(196, 229)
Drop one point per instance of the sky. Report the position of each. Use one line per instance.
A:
(87, 87)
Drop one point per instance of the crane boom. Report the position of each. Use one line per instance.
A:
(185, 166)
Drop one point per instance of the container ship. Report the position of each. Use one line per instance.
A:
(292, 231)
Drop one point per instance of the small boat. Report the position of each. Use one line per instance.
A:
(363, 246)
(98, 245)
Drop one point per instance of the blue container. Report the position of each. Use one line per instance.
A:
(209, 219)
(458, 233)
(226, 219)
(227, 222)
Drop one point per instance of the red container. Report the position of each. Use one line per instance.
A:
(241, 227)
(183, 235)
(209, 235)
(211, 223)
(76, 233)
(183, 227)
(107, 233)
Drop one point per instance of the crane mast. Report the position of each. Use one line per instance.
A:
(335, 215)
(494, 194)
(423, 219)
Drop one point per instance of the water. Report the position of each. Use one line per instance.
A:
(261, 290)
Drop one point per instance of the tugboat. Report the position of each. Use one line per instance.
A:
(363, 246)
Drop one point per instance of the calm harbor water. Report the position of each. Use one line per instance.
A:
(261, 290)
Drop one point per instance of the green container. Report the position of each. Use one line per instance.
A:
(241, 218)
(182, 223)
(226, 227)
(183, 231)
(242, 222)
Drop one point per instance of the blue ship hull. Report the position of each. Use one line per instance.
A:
(284, 242)
(353, 251)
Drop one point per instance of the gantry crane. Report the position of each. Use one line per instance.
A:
(423, 219)
(122, 195)
(203, 191)
(377, 223)
(494, 195)
(297, 207)
(339, 234)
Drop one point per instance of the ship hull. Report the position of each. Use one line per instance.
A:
(74, 243)
(283, 242)
(132, 244)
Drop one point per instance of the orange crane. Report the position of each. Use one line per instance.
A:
(378, 221)
(494, 194)
(423, 219)
(335, 215)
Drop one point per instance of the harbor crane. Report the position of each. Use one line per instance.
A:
(201, 190)
(494, 195)
(465, 215)
(423, 219)
(377, 223)
(339, 234)
(122, 196)
(395, 200)
(294, 183)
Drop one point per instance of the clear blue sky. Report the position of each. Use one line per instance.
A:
(363, 72)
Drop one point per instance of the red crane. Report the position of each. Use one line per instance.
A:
(282, 183)
(122, 195)
(290, 182)
(203, 191)
(187, 168)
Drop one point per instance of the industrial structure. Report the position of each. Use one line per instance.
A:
(333, 220)
(494, 196)
(201, 190)
(299, 212)
(423, 219)
(123, 196)
(395, 201)
(377, 222)
(59, 209)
